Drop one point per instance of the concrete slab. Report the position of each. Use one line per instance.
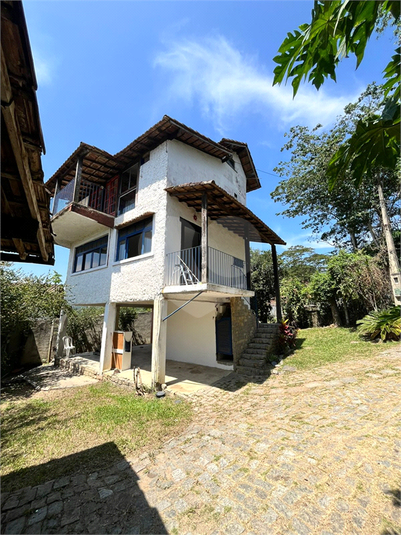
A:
(47, 377)
(181, 377)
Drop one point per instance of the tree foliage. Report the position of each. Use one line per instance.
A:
(339, 29)
(24, 299)
(345, 216)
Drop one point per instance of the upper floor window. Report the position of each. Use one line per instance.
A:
(90, 255)
(128, 187)
(135, 239)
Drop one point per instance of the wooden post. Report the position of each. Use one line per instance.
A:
(276, 283)
(56, 190)
(247, 257)
(205, 238)
(159, 341)
(77, 179)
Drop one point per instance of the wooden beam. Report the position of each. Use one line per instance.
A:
(21, 157)
(19, 245)
(205, 238)
(276, 283)
(78, 177)
(247, 256)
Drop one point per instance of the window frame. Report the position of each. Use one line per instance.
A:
(131, 189)
(135, 232)
(95, 249)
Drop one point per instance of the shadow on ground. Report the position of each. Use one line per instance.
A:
(105, 500)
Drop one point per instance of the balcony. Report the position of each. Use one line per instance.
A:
(80, 212)
(225, 273)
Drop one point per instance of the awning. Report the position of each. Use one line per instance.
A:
(225, 210)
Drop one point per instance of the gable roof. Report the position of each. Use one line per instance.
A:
(226, 210)
(99, 166)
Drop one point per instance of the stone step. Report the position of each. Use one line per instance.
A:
(258, 340)
(255, 373)
(257, 354)
(252, 363)
(267, 327)
(257, 345)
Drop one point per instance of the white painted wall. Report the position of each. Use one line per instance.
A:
(191, 335)
(187, 164)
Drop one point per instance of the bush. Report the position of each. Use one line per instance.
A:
(286, 337)
(84, 327)
(385, 324)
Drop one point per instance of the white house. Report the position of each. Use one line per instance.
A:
(161, 223)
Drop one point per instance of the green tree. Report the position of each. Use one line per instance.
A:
(313, 52)
(301, 262)
(262, 281)
(345, 216)
(24, 299)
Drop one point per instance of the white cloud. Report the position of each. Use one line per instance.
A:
(226, 83)
(43, 69)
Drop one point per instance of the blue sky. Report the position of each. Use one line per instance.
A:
(108, 70)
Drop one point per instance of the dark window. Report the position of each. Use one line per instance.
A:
(128, 187)
(135, 239)
(92, 254)
(231, 163)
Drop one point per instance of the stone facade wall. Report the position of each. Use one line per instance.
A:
(244, 324)
(143, 326)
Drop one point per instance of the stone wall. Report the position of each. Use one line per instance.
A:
(38, 346)
(143, 326)
(244, 324)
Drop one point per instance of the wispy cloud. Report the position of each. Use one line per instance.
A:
(227, 83)
(43, 68)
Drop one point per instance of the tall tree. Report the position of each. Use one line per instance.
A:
(345, 215)
(337, 30)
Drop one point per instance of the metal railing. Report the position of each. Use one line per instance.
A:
(184, 268)
(90, 195)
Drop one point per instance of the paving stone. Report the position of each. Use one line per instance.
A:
(15, 526)
(70, 517)
(53, 497)
(54, 508)
(61, 482)
(11, 502)
(37, 516)
(44, 490)
(34, 528)
(12, 514)
(105, 493)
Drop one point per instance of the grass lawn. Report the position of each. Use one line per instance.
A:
(65, 424)
(323, 345)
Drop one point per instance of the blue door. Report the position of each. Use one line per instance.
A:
(223, 336)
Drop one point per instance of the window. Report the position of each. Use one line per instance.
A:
(231, 163)
(135, 239)
(91, 255)
(128, 186)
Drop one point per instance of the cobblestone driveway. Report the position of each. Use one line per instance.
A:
(304, 453)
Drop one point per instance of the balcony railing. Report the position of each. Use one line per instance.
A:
(184, 268)
(90, 195)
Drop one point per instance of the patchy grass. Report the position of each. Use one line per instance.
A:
(65, 425)
(324, 345)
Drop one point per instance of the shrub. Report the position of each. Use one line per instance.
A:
(286, 337)
(385, 324)
(84, 327)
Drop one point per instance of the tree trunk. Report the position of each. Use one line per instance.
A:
(335, 312)
(353, 242)
(346, 314)
(394, 266)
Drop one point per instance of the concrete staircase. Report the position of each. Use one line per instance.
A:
(253, 363)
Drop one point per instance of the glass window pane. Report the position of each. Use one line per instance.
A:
(125, 181)
(88, 261)
(95, 259)
(147, 242)
(78, 262)
(121, 251)
(127, 202)
(103, 256)
(134, 245)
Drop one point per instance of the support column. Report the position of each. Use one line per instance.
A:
(159, 341)
(205, 238)
(61, 332)
(247, 257)
(109, 325)
(78, 176)
(276, 283)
